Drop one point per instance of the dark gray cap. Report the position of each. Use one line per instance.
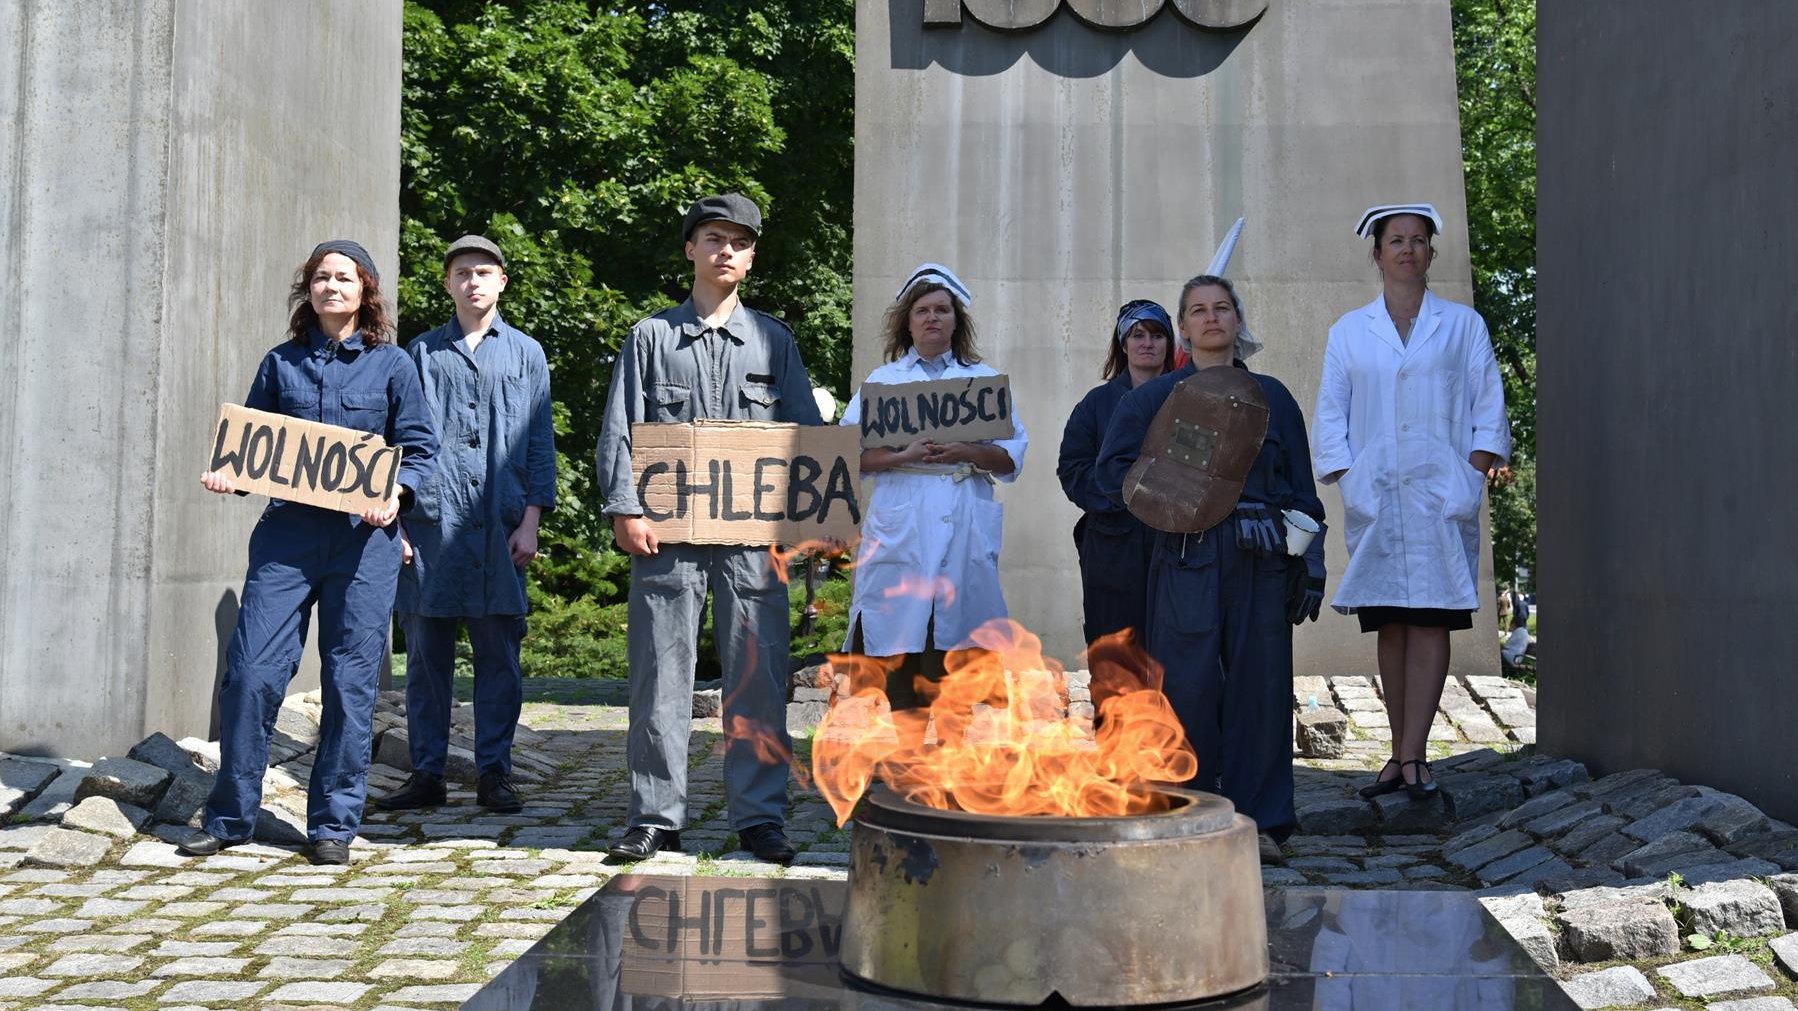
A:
(732, 207)
(473, 244)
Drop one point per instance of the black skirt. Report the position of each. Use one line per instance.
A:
(1374, 618)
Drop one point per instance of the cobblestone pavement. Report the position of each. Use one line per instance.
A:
(95, 914)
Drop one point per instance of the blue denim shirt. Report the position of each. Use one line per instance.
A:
(675, 368)
(351, 385)
(492, 411)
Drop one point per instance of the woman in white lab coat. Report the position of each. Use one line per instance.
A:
(1410, 418)
(927, 574)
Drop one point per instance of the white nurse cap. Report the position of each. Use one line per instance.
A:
(1374, 214)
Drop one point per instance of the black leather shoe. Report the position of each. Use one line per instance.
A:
(203, 844)
(420, 790)
(496, 794)
(645, 841)
(1380, 787)
(330, 851)
(1421, 789)
(767, 842)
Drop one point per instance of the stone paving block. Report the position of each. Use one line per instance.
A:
(190, 910)
(184, 800)
(1678, 816)
(20, 780)
(428, 928)
(1335, 817)
(350, 914)
(1399, 813)
(92, 964)
(1719, 974)
(12, 962)
(1476, 794)
(25, 986)
(415, 968)
(1490, 849)
(1752, 1004)
(124, 780)
(29, 907)
(211, 991)
(323, 930)
(1669, 844)
(1619, 987)
(423, 946)
(106, 816)
(1511, 866)
(285, 967)
(272, 910)
(61, 847)
(153, 854)
(1635, 805)
(231, 928)
(55, 925)
(1590, 830)
(1536, 807)
(1622, 931)
(1786, 887)
(460, 914)
(1732, 871)
(203, 966)
(1732, 819)
(1742, 907)
(99, 942)
(181, 949)
(307, 946)
(73, 891)
(103, 908)
(110, 989)
(1785, 952)
(452, 993)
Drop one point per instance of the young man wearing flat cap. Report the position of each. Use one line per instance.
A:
(473, 530)
(709, 357)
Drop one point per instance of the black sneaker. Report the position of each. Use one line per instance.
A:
(767, 842)
(420, 790)
(330, 851)
(495, 793)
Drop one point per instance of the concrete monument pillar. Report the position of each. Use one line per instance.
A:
(1066, 157)
(167, 165)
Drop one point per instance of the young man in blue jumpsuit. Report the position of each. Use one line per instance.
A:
(1223, 603)
(474, 527)
(709, 357)
(329, 371)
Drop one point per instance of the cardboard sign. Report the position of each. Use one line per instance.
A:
(747, 482)
(948, 410)
(725, 938)
(304, 461)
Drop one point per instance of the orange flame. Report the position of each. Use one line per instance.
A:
(1005, 745)
(781, 559)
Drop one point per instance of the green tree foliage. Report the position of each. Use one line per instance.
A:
(575, 134)
(1495, 67)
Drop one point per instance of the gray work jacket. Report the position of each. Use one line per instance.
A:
(675, 368)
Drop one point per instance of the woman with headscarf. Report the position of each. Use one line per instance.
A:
(1222, 602)
(338, 366)
(1112, 545)
(1410, 418)
(928, 572)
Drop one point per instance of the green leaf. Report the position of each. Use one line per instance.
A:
(1698, 942)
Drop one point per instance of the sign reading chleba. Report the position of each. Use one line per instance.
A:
(1114, 15)
(713, 481)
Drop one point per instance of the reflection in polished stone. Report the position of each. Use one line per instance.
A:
(668, 944)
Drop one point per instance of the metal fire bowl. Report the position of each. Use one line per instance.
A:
(1150, 909)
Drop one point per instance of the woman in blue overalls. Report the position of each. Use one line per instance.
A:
(1222, 603)
(1112, 545)
(338, 366)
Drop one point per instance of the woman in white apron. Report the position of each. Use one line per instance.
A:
(1410, 418)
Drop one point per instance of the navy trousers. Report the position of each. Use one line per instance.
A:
(301, 556)
(1114, 551)
(498, 687)
(1218, 625)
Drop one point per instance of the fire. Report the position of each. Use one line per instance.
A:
(1004, 745)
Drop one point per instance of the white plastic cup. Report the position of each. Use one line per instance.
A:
(1300, 528)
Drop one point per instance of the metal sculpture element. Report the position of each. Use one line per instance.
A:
(1111, 15)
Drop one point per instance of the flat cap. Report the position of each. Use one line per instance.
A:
(732, 207)
(473, 244)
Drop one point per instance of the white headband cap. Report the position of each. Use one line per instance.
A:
(1246, 344)
(936, 273)
(1374, 214)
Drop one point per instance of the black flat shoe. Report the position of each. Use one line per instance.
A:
(330, 851)
(421, 789)
(644, 841)
(1419, 790)
(497, 795)
(203, 844)
(767, 842)
(1381, 787)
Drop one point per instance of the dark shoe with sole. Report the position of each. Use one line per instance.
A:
(1271, 854)
(645, 841)
(421, 789)
(1421, 789)
(767, 842)
(330, 851)
(496, 793)
(1380, 787)
(203, 844)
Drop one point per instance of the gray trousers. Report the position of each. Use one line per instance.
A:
(749, 623)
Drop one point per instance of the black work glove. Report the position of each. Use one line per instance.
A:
(1259, 530)
(1304, 590)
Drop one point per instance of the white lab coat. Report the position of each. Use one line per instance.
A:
(930, 543)
(1402, 419)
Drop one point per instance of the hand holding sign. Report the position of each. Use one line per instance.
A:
(381, 515)
(217, 482)
(634, 535)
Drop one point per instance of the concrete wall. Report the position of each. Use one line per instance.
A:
(1064, 170)
(1666, 314)
(167, 166)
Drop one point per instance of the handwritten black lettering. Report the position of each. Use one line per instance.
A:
(840, 485)
(645, 894)
(753, 924)
(802, 481)
(222, 460)
(726, 497)
(337, 459)
(306, 461)
(262, 443)
(763, 487)
(650, 473)
(795, 918)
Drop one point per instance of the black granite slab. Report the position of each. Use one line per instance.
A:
(647, 943)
